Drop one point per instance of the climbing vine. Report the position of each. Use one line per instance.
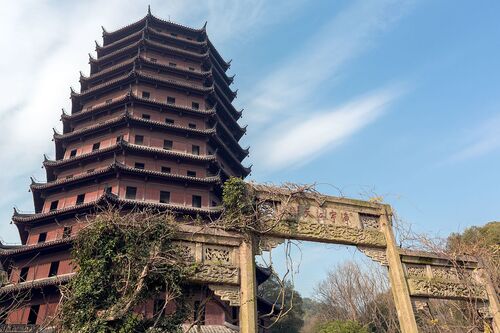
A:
(123, 261)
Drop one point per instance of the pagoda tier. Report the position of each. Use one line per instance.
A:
(151, 132)
(131, 98)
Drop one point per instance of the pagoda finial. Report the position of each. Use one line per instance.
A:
(204, 28)
(149, 10)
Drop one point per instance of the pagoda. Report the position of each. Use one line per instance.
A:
(152, 126)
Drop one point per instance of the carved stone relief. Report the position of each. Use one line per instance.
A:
(416, 271)
(217, 274)
(217, 255)
(369, 221)
(310, 230)
(444, 289)
(227, 293)
(376, 254)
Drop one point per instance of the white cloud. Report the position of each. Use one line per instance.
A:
(301, 139)
(482, 140)
(342, 39)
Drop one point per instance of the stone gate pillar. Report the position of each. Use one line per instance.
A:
(248, 287)
(399, 288)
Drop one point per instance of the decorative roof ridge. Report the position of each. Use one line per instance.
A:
(218, 56)
(143, 58)
(228, 100)
(116, 165)
(132, 96)
(38, 283)
(117, 42)
(231, 137)
(26, 248)
(174, 106)
(107, 70)
(228, 111)
(137, 73)
(112, 198)
(150, 16)
(127, 145)
(145, 41)
(187, 41)
(230, 153)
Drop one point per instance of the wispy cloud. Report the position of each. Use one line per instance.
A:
(288, 134)
(482, 140)
(299, 140)
(322, 57)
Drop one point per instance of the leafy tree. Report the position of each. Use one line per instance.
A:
(290, 302)
(474, 237)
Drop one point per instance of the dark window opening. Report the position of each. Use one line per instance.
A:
(191, 173)
(90, 170)
(24, 274)
(54, 267)
(139, 165)
(172, 64)
(153, 59)
(173, 34)
(139, 139)
(165, 169)
(108, 189)
(80, 199)
(42, 237)
(146, 94)
(67, 231)
(53, 205)
(169, 121)
(96, 146)
(195, 105)
(191, 68)
(32, 317)
(130, 192)
(146, 116)
(168, 144)
(72, 153)
(69, 176)
(214, 203)
(119, 138)
(164, 197)
(196, 201)
(195, 150)
(191, 125)
(170, 100)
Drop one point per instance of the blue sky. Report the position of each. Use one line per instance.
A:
(397, 98)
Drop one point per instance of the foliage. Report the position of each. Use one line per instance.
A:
(284, 294)
(342, 326)
(485, 236)
(238, 204)
(122, 261)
